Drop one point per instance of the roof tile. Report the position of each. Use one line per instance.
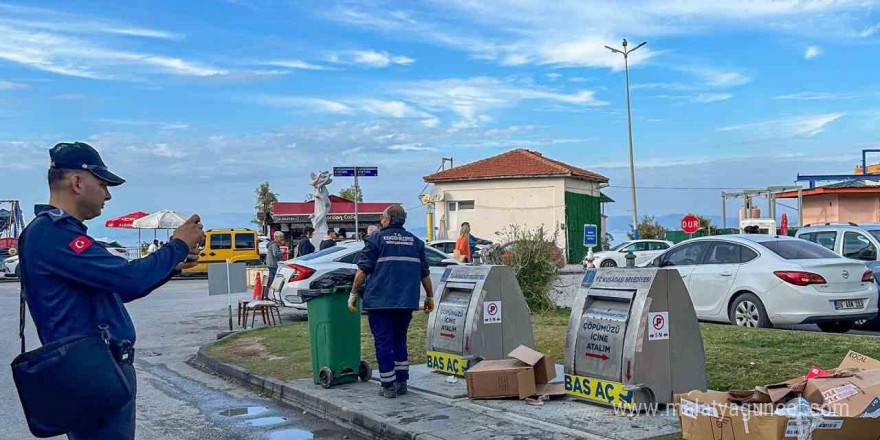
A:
(514, 164)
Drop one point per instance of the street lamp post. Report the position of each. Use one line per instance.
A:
(632, 171)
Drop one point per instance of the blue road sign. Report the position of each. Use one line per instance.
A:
(591, 235)
(343, 171)
(350, 171)
(367, 171)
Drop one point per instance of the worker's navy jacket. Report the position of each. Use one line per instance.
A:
(73, 284)
(395, 263)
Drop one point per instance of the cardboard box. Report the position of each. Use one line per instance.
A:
(707, 416)
(501, 378)
(526, 373)
(855, 384)
(545, 366)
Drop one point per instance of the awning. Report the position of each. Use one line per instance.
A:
(125, 221)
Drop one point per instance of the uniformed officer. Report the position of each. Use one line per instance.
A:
(394, 264)
(75, 285)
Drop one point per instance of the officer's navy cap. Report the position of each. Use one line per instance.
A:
(81, 156)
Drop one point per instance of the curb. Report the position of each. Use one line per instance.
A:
(280, 391)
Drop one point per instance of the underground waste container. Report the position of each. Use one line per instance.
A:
(335, 337)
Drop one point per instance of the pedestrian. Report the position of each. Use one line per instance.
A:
(330, 241)
(372, 229)
(305, 245)
(74, 286)
(473, 242)
(394, 265)
(154, 246)
(343, 233)
(273, 255)
(462, 250)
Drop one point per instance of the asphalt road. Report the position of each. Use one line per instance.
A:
(175, 401)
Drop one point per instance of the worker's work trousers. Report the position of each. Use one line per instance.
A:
(389, 328)
(120, 425)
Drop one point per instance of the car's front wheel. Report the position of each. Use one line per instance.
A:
(748, 311)
(608, 263)
(836, 326)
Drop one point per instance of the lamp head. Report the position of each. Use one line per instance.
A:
(624, 43)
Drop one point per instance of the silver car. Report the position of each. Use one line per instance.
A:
(296, 274)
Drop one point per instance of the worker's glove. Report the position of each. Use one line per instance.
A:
(429, 305)
(352, 302)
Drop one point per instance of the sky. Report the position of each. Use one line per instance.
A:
(195, 103)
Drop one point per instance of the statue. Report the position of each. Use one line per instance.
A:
(321, 196)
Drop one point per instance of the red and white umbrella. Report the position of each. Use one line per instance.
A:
(125, 221)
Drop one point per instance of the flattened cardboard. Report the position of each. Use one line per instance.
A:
(708, 417)
(858, 360)
(493, 379)
(545, 367)
(853, 394)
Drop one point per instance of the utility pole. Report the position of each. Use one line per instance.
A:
(632, 171)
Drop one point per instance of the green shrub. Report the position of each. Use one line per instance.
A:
(534, 258)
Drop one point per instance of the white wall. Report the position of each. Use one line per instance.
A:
(528, 202)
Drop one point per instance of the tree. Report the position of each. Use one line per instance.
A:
(649, 228)
(705, 223)
(348, 193)
(265, 199)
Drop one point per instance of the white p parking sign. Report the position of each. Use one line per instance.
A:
(492, 312)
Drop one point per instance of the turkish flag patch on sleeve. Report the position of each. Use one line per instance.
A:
(81, 243)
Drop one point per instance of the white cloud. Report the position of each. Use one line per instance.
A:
(165, 151)
(370, 58)
(717, 78)
(815, 96)
(797, 126)
(294, 64)
(812, 52)
(399, 110)
(705, 98)
(869, 31)
(410, 147)
(137, 122)
(74, 46)
(313, 104)
(517, 32)
(553, 76)
(9, 85)
(472, 99)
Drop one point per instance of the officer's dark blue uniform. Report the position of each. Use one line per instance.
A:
(75, 285)
(395, 262)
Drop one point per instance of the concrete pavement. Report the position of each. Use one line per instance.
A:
(175, 400)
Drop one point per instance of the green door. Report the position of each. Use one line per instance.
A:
(581, 209)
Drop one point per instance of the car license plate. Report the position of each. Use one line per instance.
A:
(845, 304)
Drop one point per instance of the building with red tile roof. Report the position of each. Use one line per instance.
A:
(520, 187)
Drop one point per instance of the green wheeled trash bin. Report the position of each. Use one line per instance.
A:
(335, 337)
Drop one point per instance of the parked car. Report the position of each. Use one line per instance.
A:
(296, 274)
(9, 267)
(448, 247)
(508, 250)
(855, 241)
(114, 247)
(644, 250)
(263, 246)
(763, 280)
(235, 245)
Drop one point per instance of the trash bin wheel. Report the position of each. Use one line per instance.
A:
(325, 376)
(365, 372)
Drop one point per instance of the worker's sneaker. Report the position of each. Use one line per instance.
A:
(388, 393)
(400, 387)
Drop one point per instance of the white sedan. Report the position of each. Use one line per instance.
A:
(644, 250)
(9, 267)
(763, 280)
(296, 274)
